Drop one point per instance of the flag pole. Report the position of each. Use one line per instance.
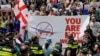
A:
(25, 35)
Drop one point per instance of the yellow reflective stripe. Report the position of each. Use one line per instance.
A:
(56, 49)
(74, 46)
(15, 54)
(3, 53)
(0, 46)
(40, 51)
(69, 45)
(51, 55)
(34, 47)
(35, 51)
(6, 49)
(57, 45)
(75, 43)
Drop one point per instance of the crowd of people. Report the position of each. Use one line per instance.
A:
(11, 43)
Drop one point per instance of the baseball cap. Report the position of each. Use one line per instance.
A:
(49, 41)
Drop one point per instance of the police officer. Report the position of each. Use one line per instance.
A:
(71, 47)
(59, 46)
(8, 49)
(28, 42)
(57, 50)
(36, 48)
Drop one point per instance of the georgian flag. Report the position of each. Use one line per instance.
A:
(21, 13)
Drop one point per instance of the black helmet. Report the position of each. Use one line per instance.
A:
(56, 51)
(58, 46)
(28, 42)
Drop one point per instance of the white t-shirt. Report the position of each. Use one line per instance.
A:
(95, 27)
(32, 12)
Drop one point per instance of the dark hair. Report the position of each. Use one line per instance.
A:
(34, 38)
(84, 53)
(11, 26)
(70, 36)
(23, 49)
(99, 7)
(88, 31)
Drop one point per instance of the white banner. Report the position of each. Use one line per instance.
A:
(57, 27)
(6, 8)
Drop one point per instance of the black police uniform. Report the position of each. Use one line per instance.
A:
(73, 46)
(7, 50)
(57, 50)
(36, 50)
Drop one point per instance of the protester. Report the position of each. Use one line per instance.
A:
(18, 42)
(96, 49)
(94, 25)
(8, 49)
(72, 46)
(57, 50)
(36, 48)
(32, 9)
(47, 48)
(97, 14)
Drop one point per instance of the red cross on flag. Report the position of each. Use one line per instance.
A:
(21, 13)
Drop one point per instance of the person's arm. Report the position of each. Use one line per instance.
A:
(18, 42)
(77, 51)
(98, 30)
(68, 52)
(48, 1)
